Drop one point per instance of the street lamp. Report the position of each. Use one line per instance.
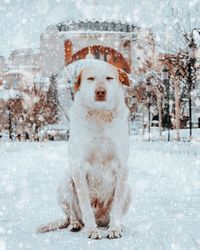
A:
(148, 91)
(134, 103)
(166, 84)
(133, 107)
(9, 120)
(191, 68)
(190, 65)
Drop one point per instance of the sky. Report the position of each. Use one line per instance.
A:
(22, 21)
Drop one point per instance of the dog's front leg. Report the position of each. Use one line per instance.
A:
(115, 226)
(81, 185)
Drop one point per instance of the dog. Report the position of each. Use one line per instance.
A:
(94, 192)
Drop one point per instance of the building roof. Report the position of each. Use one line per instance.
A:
(94, 25)
(24, 51)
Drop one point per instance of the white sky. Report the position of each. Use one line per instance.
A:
(22, 21)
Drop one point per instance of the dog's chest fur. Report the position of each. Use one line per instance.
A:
(101, 155)
(100, 180)
(102, 136)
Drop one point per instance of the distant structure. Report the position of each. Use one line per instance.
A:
(121, 44)
(25, 59)
(3, 67)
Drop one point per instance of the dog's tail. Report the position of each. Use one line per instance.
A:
(52, 226)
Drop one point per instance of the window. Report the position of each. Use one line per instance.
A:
(97, 55)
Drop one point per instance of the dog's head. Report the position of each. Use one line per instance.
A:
(100, 85)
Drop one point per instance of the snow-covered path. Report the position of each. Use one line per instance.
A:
(165, 213)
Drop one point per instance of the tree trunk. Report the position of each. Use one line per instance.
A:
(159, 112)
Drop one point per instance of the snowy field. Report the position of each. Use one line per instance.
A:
(165, 212)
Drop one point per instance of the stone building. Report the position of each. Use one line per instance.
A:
(25, 59)
(3, 65)
(121, 44)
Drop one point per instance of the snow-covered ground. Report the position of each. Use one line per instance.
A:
(165, 212)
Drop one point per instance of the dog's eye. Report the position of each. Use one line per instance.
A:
(91, 78)
(109, 78)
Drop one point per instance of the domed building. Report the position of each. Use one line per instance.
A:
(121, 44)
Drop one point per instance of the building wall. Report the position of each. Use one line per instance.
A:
(135, 45)
(52, 52)
(135, 49)
(56, 55)
(111, 42)
(3, 65)
(100, 52)
(27, 59)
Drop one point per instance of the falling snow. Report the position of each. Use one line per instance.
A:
(164, 176)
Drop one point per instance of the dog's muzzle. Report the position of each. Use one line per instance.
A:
(100, 94)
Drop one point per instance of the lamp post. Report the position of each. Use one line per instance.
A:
(148, 91)
(133, 106)
(190, 66)
(6, 87)
(9, 121)
(192, 47)
(166, 84)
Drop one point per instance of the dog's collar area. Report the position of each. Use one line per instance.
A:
(104, 115)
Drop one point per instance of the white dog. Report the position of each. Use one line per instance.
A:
(95, 192)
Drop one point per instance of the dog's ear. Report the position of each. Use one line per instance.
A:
(77, 82)
(123, 77)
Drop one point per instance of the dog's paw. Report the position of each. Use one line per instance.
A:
(45, 228)
(94, 234)
(114, 233)
(42, 229)
(75, 226)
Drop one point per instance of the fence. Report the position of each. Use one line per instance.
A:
(187, 148)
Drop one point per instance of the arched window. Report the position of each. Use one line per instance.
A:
(68, 51)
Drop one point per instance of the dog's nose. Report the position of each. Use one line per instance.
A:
(100, 94)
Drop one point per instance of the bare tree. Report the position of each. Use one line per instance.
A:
(181, 38)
